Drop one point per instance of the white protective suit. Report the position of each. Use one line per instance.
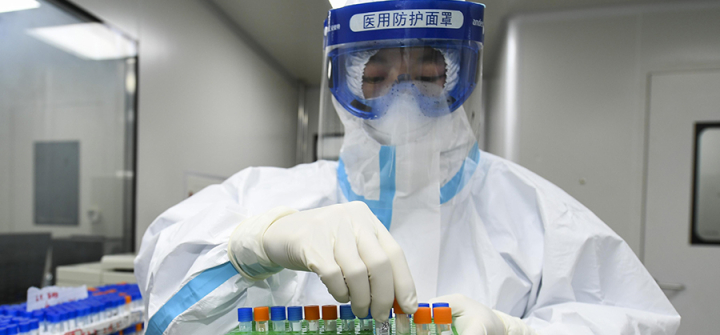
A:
(509, 239)
(469, 223)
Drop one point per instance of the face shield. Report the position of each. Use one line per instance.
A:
(400, 69)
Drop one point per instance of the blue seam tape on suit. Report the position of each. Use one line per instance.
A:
(196, 289)
(458, 181)
(382, 208)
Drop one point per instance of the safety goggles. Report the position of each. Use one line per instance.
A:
(441, 74)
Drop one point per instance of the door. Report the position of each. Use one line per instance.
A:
(687, 272)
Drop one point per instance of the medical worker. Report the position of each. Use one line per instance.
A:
(412, 210)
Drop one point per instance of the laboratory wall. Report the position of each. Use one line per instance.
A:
(312, 110)
(209, 105)
(571, 98)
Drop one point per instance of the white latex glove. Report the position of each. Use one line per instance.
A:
(346, 245)
(473, 318)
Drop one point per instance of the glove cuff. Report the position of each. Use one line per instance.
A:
(245, 248)
(513, 325)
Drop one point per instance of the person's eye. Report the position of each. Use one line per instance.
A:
(431, 79)
(372, 80)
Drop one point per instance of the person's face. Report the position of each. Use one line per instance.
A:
(424, 66)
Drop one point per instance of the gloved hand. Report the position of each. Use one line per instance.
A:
(473, 318)
(345, 244)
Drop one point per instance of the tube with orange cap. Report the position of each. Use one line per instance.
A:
(262, 315)
(312, 315)
(422, 319)
(402, 320)
(443, 320)
(330, 316)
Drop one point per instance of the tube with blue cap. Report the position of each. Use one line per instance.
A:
(277, 316)
(295, 317)
(347, 318)
(245, 318)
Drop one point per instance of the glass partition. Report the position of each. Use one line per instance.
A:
(67, 129)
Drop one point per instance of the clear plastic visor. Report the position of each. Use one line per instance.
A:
(369, 81)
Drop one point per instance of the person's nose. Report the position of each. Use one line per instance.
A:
(402, 77)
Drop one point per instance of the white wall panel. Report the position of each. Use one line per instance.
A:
(207, 102)
(571, 103)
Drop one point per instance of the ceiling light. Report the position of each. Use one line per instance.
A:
(13, 5)
(337, 3)
(87, 40)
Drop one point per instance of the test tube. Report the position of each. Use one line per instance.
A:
(435, 305)
(329, 316)
(127, 306)
(295, 316)
(439, 304)
(63, 323)
(443, 320)
(51, 321)
(312, 315)
(109, 306)
(34, 327)
(97, 311)
(383, 328)
(261, 319)
(66, 319)
(422, 319)
(24, 327)
(347, 318)
(277, 315)
(137, 300)
(40, 316)
(366, 323)
(402, 320)
(245, 318)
